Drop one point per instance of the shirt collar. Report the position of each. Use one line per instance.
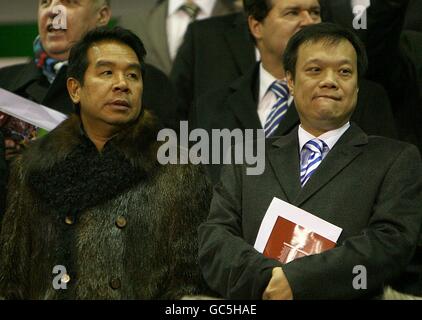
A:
(330, 137)
(206, 6)
(265, 81)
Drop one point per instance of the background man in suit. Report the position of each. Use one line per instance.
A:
(247, 102)
(380, 225)
(43, 79)
(217, 51)
(163, 26)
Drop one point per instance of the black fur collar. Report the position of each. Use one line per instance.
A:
(67, 172)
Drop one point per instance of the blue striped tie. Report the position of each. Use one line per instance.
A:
(279, 109)
(311, 157)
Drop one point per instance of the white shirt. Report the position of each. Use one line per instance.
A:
(330, 137)
(178, 21)
(266, 98)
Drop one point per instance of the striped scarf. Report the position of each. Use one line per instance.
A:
(50, 66)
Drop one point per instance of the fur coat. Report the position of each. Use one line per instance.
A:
(123, 226)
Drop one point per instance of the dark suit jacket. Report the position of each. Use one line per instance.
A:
(392, 67)
(413, 19)
(28, 81)
(214, 53)
(236, 107)
(150, 26)
(371, 187)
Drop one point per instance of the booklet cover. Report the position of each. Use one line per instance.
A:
(288, 232)
(23, 120)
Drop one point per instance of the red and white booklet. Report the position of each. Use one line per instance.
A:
(288, 232)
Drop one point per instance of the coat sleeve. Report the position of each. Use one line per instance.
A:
(231, 266)
(363, 264)
(15, 239)
(190, 209)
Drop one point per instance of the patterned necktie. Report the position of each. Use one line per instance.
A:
(311, 157)
(191, 9)
(279, 109)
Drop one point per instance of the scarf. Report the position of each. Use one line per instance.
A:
(86, 178)
(50, 66)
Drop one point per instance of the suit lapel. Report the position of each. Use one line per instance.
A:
(157, 32)
(29, 80)
(283, 157)
(57, 96)
(243, 103)
(240, 44)
(344, 152)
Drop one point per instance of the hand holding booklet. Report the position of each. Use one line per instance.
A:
(23, 120)
(288, 232)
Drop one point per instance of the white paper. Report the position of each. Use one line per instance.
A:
(29, 111)
(296, 215)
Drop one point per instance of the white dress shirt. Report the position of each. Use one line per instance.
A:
(330, 137)
(266, 98)
(178, 21)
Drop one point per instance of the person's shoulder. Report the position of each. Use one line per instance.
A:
(394, 147)
(14, 68)
(11, 72)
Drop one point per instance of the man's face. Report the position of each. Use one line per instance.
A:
(285, 18)
(80, 16)
(325, 87)
(112, 91)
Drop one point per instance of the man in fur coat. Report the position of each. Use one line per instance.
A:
(91, 214)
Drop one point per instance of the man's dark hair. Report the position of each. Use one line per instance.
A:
(78, 57)
(258, 9)
(330, 33)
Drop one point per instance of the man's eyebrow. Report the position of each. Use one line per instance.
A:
(297, 7)
(106, 63)
(342, 61)
(135, 66)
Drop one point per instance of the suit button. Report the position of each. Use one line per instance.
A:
(121, 222)
(65, 278)
(69, 220)
(115, 284)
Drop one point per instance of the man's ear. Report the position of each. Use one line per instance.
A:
(255, 27)
(290, 82)
(74, 89)
(104, 16)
